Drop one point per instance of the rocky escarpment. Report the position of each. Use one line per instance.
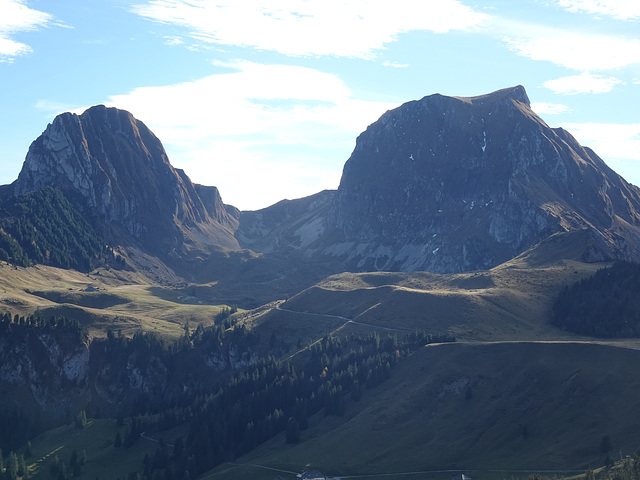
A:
(47, 364)
(450, 184)
(52, 369)
(115, 170)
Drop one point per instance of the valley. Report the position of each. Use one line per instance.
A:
(443, 408)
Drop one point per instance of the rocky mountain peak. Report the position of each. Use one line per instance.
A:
(451, 184)
(118, 173)
(512, 94)
(456, 183)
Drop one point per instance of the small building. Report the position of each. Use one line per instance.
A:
(461, 476)
(311, 475)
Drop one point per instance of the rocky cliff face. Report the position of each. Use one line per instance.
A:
(451, 184)
(58, 373)
(45, 363)
(118, 174)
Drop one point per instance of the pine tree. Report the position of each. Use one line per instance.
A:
(22, 468)
(12, 467)
(81, 419)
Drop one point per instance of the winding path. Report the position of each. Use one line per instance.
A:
(345, 319)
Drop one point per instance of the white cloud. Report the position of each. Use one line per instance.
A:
(611, 141)
(543, 108)
(52, 107)
(357, 28)
(583, 83)
(620, 9)
(577, 51)
(15, 17)
(257, 131)
(173, 41)
(395, 64)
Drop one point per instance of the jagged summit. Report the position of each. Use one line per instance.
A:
(118, 174)
(448, 183)
(516, 93)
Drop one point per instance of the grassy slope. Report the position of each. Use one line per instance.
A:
(103, 459)
(422, 420)
(555, 386)
(122, 300)
(510, 302)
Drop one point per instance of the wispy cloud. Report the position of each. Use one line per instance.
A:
(236, 129)
(574, 50)
(583, 83)
(542, 108)
(52, 107)
(16, 17)
(613, 142)
(395, 65)
(620, 9)
(356, 29)
(173, 41)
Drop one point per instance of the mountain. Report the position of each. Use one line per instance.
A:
(116, 172)
(452, 184)
(444, 184)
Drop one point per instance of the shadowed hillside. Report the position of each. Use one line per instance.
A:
(482, 409)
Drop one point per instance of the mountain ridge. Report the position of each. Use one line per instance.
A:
(444, 184)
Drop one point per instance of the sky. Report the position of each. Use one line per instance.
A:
(265, 98)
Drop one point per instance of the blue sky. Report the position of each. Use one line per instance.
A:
(265, 98)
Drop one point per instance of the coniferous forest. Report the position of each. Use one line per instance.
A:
(605, 305)
(42, 227)
(227, 414)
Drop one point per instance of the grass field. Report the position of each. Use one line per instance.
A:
(105, 299)
(96, 440)
(510, 302)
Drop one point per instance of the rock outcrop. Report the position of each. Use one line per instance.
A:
(44, 363)
(115, 170)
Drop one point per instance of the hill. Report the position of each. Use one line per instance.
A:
(490, 410)
(509, 302)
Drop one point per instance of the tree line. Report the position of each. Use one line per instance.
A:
(605, 305)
